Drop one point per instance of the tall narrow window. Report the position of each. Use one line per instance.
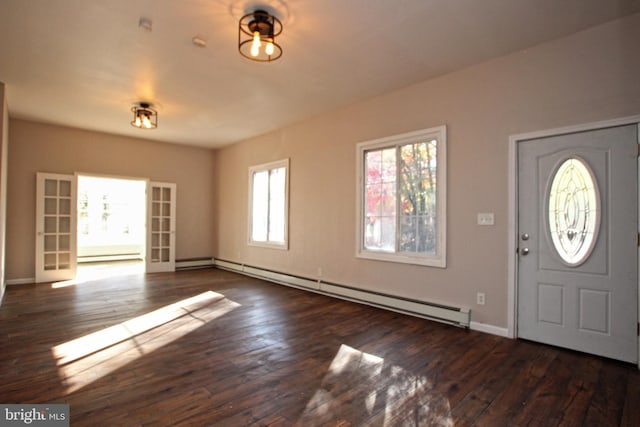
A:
(401, 198)
(268, 201)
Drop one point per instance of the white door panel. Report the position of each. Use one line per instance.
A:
(161, 226)
(570, 293)
(55, 227)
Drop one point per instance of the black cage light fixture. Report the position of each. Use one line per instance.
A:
(144, 117)
(257, 32)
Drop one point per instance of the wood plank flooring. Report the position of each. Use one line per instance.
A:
(209, 347)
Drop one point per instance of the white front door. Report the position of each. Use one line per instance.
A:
(161, 223)
(578, 241)
(55, 227)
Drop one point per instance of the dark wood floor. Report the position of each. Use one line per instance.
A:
(210, 347)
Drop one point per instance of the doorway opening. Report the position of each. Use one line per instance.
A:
(111, 225)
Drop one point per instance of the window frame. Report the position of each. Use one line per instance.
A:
(267, 167)
(438, 259)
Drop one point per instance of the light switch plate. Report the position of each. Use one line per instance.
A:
(485, 218)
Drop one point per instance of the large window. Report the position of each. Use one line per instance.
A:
(268, 201)
(401, 198)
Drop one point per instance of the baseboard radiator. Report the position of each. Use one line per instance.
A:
(194, 263)
(109, 258)
(458, 316)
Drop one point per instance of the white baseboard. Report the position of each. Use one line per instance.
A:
(26, 281)
(489, 329)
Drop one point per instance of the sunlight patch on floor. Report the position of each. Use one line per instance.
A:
(388, 395)
(91, 357)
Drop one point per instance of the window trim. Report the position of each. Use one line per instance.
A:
(261, 168)
(439, 133)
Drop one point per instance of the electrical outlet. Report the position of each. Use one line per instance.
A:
(480, 298)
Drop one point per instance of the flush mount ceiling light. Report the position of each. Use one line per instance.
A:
(144, 117)
(257, 34)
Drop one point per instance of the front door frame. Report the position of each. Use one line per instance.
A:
(512, 233)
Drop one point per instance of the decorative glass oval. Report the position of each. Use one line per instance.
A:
(574, 211)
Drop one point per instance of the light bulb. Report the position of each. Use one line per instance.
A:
(255, 46)
(146, 122)
(137, 121)
(269, 48)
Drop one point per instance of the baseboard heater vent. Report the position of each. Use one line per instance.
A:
(194, 263)
(109, 258)
(458, 316)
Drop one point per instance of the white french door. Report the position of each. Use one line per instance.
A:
(161, 226)
(55, 227)
(577, 228)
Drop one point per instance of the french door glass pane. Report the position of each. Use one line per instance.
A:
(64, 224)
(50, 224)
(50, 261)
(64, 261)
(65, 206)
(50, 206)
(51, 187)
(65, 188)
(50, 243)
(64, 244)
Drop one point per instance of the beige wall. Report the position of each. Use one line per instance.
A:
(589, 76)
(4, 143)
(36, 147)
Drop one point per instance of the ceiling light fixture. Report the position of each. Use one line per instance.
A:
(257, 32)
(144, 117)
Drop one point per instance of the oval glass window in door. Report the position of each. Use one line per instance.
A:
(574, 211)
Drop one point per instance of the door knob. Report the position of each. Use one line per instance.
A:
(525, 236)
(524, 251)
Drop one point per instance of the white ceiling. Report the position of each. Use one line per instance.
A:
(83, 63)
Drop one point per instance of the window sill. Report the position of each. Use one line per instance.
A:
(425, 261)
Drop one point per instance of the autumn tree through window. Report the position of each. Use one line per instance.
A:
(401, 203)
